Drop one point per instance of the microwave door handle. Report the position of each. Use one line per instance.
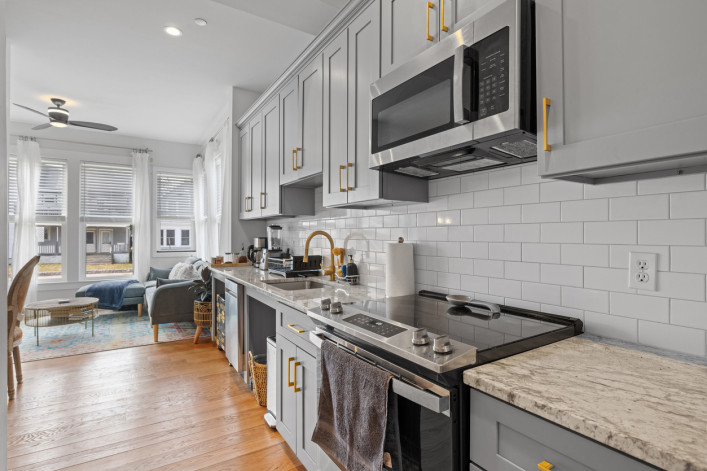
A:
(458, 86)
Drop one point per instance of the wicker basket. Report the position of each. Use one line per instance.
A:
(259, 375)
(202, 314)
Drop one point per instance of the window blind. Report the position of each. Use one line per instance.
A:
(175, 196)
(106, 191)
(51, 199)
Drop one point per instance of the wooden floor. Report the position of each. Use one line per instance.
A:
(169, 406)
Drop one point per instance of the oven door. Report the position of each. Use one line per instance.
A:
(422, 433)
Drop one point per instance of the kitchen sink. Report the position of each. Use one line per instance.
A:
(296, 285)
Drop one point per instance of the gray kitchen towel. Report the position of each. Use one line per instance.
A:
(353, 409)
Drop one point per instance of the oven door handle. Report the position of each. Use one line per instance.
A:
(406, 389)
(458, 84)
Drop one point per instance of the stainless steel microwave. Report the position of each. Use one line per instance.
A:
(463, 105)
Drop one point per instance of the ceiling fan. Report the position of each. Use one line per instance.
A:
(59, 117)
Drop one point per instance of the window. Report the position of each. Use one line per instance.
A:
(175, 211)
(106, 213)
(50, 215)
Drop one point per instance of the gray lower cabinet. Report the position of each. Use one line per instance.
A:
(505, 438)
(610, 109)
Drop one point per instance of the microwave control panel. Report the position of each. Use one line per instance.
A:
(491, 71)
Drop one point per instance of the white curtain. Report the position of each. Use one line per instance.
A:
(226, 192)
(29, 167)
(213, 161)
(142, 223)
(200, 239)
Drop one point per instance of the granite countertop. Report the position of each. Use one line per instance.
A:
(649, 406)
(302, 300)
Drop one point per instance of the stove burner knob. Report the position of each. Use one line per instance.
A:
(325, 304)
(336, 307)
(442, 344)
(420, 337)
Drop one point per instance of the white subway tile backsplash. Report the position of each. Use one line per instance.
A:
(507, 236)
(676, 184)
(586, 299)
(688, 205)
(561, 191)
(673, 232)
(562, 232)
(541, 212)
(640, 307)
(585, 254)
(622, 232)
(673, 337)
(639, 207)
(585, 210)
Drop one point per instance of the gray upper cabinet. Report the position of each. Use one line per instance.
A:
(246, 174)
(256, 166)
(289, 130)
(269, 195)
(621, 87)
(308, 161)
(411, 26)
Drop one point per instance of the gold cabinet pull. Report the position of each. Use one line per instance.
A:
(441, 14)
(294, 160)
(262, 193)
(297, 149)
(543, 466)
(430, 5)
(348, 166)
(295, 383)
(546, 104)
(341, 167)
(296, 329)
(290, 383)
(246, 204)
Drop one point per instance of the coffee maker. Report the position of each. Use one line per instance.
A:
(255, 251)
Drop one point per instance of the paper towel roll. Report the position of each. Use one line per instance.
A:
(399, 269)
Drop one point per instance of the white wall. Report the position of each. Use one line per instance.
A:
(505, 236)
(75, 145)
(4, 85)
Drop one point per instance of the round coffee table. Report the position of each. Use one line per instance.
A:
(61, 312)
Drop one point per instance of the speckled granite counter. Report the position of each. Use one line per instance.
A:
(648, 406)
(301, 300)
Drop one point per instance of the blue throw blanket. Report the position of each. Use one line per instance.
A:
(110, 294)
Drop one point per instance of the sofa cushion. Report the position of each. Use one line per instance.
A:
(163, 281)
(183, 271)
(158, 273)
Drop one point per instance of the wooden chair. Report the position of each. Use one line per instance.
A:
(15, 305)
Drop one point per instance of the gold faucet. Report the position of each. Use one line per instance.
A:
(329, 272)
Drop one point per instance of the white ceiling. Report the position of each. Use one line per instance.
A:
(113, 63)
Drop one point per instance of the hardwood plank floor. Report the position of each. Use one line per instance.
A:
(169, 406)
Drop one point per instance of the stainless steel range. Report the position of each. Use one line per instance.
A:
(426, 344)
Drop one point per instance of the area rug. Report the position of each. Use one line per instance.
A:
(113, 330)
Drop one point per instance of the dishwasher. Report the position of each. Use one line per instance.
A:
(235, 345)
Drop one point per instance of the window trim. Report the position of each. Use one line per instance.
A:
(156, 242)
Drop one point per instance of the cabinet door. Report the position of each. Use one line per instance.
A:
(309, 158)
(286, 397)
(460, 10)
(620, 93)
(270, 198)
(246, 173)
(407, 30)
(335, 121)
(256, 165)
(364, 68)
(289, 131)
(307, 405)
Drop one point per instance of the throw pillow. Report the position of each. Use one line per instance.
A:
(183, 271)
(162, 282)
(158, 273)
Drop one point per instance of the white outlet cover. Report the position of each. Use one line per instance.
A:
(635, 260)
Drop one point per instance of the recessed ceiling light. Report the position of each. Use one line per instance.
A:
(173, 31)
(200, 21)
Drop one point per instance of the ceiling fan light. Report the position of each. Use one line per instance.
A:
(58, 124)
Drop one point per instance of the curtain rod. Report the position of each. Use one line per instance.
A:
(225, 124)
(86, 143)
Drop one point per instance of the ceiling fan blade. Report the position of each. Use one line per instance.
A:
(41, 126)
(87, 124)
(30, 109)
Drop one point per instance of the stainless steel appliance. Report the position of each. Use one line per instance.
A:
(291, 266)
(255, 251)
(271, 414)
(464, 105)
(235, 330)
(426, 344)
(274, 237)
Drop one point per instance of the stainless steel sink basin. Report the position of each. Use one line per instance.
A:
(296, 285)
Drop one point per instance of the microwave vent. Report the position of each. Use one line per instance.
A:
(472, 165)
(416, 172)
(521, 149)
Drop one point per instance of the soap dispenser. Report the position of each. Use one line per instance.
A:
(352, 271)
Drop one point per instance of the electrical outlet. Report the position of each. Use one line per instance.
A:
(642, 270)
